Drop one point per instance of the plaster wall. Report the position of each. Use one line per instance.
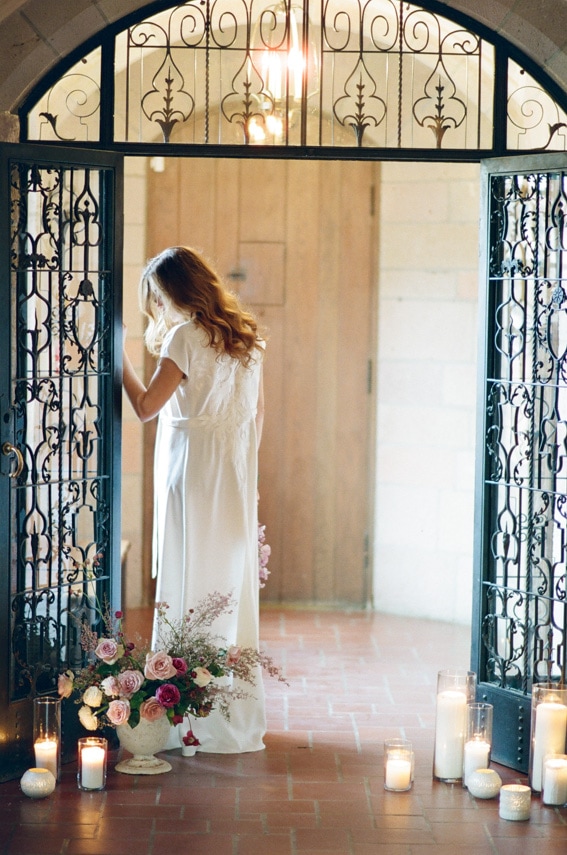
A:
(427, 343)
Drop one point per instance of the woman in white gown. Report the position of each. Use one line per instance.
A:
(207, 389)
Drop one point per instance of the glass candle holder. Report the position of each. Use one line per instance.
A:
(92, 754)
(548, 727)
(478, 739)
(515, 802)
(455, 690)
(47, 734)
(554, 780)
(398, 765)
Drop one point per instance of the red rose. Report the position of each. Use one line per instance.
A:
(168, 695)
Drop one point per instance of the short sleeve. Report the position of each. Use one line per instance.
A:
(175, 347)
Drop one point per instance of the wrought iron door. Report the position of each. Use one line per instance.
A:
(60, 396)
(521, 521)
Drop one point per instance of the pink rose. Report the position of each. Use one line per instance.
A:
(151, 710)
(109, 650)
(168, 695)
(180, 665)
(233, 655)
(201, 676)
(65, 684)
(159, 666)
(118, 712)
(130, 682)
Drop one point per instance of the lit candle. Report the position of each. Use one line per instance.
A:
(398, 774)
(549, 736)
(450, 728)
(92, 767)
(555, 781)
(477, 754)
(46, 755)
(515, 802)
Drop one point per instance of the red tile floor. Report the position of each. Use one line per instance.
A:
(354, 680)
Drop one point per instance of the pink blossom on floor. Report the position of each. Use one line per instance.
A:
(264, 552)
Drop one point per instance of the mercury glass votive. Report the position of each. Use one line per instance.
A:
(515, 802)
(37, 783)
(47, 734)
(484, 783)
(455, 689)
(548, 727)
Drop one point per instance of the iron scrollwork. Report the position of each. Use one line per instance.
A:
(62, 376)
(526, 432)
(371, 73)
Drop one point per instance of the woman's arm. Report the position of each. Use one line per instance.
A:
(148, 402)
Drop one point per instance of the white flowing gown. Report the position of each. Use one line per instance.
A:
(206, 514)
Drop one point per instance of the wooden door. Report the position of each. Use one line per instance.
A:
(296, 240)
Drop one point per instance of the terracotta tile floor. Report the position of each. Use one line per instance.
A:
(355, 679)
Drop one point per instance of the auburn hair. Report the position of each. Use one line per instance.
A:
(180, 284)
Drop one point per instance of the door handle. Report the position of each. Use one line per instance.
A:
(8, 448)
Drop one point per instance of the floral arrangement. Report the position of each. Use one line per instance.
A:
(264, 552)
(123, 682)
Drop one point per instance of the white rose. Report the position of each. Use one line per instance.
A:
(93, 696)
(201, 676)
(110, 686)
(87, 719)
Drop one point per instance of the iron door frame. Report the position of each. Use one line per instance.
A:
(512, 703)
(16, 753)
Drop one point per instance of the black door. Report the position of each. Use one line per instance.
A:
(60, 347)
(521, 497)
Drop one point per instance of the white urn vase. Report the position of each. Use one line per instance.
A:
(143, 742)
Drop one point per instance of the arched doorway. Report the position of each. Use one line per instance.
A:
(438, 111)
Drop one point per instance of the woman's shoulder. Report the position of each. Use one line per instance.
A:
(183, 329)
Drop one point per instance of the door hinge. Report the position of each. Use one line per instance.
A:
(369, 376)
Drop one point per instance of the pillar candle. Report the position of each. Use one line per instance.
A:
(450, 725)
(555, 781)
(476, 756)
(549, 736)
(92, 767)
(398, 774)
(46, 755)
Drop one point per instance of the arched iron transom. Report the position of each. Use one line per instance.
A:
(380, 78)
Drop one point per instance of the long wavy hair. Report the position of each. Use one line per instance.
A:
(179, 284)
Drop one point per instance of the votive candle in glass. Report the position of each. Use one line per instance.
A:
(91, 763)
(515, 802)
(455, 689)
(554, 779)
(478, 739)
(398, 765)
(47, 734)
(548, 727)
